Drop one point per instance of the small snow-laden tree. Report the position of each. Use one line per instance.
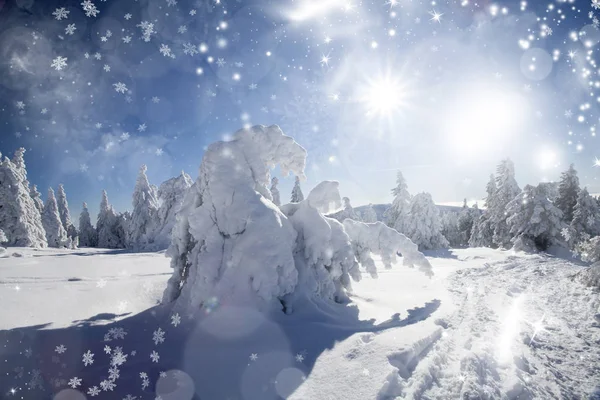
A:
(297, 195)
(19, 216)
(397, 215)
(534, 221)
(568, 190)
(65, 215)
(482, 232)
(451, 229)
(466, 218)
(3, 238)
(144, 217)
(276, 198)
(170, 198)
(507, 189)
(369, 215)
(346, 212)
(56, 235)
(586, 218)
(121, 228)
(424, 225)
(37, 198)
(108, 226)
(88, 237)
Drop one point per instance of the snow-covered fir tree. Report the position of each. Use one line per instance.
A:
(369, 215)
(466, 218)
(143, 222)
(534, 221)
(506, 190)
(122, 228)
(346, 212)
(88, 237)
(451, 229)
(482, 232)
(424, 226)
(297, 195)
(568, 190)
(19, 216)
(3, 238)
(397, 215)
(170, 198)
(56, 235)
(586, 218)
(275, 192)
(37, 198)
(108, 226)
(65, 215)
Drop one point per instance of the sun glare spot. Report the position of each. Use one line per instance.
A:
(383, 97)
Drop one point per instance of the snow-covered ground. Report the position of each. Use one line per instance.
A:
(489, 324)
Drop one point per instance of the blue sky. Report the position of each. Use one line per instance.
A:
(441, 90)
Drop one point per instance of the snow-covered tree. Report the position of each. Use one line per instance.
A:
(276, 198)
(19, 216)
(586, 218)
(65, 215)
(121, 229)
(346, 212)
(451, 229)
(466, 217)
(3, 237)
(109, 226)
(424, 226)
(144, 217)
(369, 215)
(506, 190)
(534, 221)
(170, 198)
(88, 237)
(297, 195)
(37, 198)
(397, 215)
(482, 232)
(231, 243)
(568, 190)
(56, 235)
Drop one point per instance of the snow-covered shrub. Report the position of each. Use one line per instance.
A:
(19, 216)
(63, 210)
(424, 226)
(170, 198)
(297, 195)
(143, 223)
(231, 241)
(88, 237)
(56, 235)
(534, 221)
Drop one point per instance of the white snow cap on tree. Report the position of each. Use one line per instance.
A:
(346, 212)
(88, 237)
(586, 218)
(170, 198)
(19, 216)
(297, 195)
(231, 244)
(144, 217)
(55, 233)
(397, 215)
(506, 190)
(63, 210)
(424, 226)
(568, 190)
(37, 198)
(276, 198)
(534, 221)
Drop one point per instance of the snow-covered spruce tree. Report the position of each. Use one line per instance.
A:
(297, 195)
(586, 218)
(369, 215)
(229, 242)
(107, 226)
(19, 216)
(506, 190)
(466, 218)
(276, 198)
(65, 215)
(568, 189)
(144, 217)
(3, 238)
(346, 212)
(56, 235)
(396, 216)
(37, 198)
(170, 198)
(451, 229)
(534, 221)
(482, 232)
(424, 226)
(121, 228)
(88, 237)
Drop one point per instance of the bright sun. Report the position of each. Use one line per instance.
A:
(383, 97)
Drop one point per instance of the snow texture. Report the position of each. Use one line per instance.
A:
(170, 198)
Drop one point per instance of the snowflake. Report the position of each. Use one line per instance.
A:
(36, 379)
(20, 105)
(61, 13)
(103, 39)
(124, 135)
(165, 50)
(220, 62)
(159, 152)
(546, 30)
(192, 12)
(175, 319)
(107, 385)
(126, 39)
(98, 125)
(108, 33)
(163, 374)
(133, 352)
(89, 8)
(75, 382)
(596, 4)
(101, 283)
(147, 30)
(93, 391)
(171, 3)
(566, 233)
(154, 356)
(143, 375)
(252, 86)
(98, 56)
(155, 100)
(568, 114)
(130, 397)
(106, 68)
(44, 111)
(253, 357)
(83, 167)
(189, 49)
(88, 358)
(299, 357)
(118, 358)
(86, 55)
(145, 383)
(107, 349)
(120, 87)
(158, 336)
(239, 64)
(127, 16)
(59, 63)
(113, 373)
(182, 29)
(70, 29)
(18, 134)
(142, 128)
(60, 349)
(107, 337)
